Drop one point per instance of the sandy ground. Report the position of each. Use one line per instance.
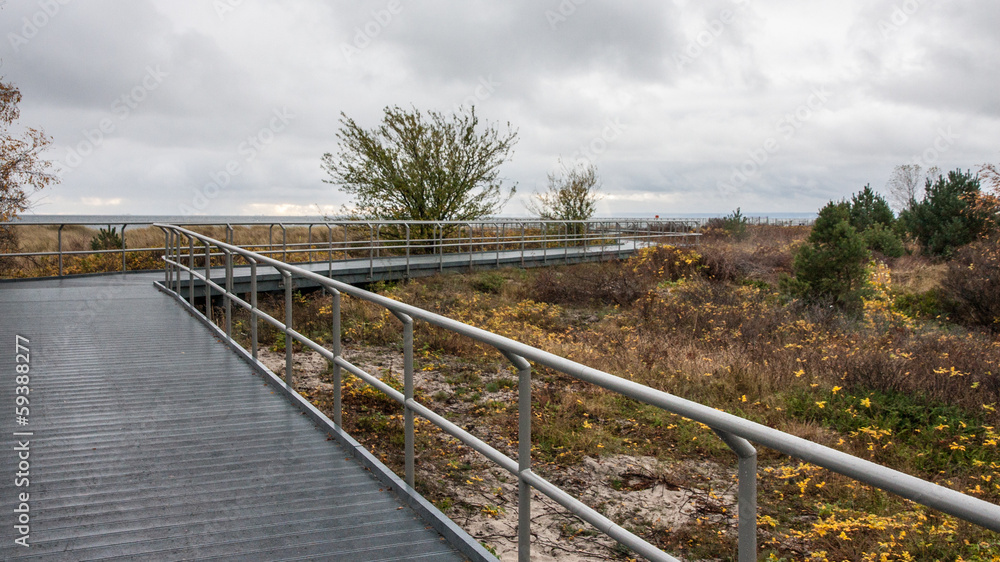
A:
(649, 494)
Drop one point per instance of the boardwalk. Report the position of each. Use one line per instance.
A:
(153, 440)
(396, 267)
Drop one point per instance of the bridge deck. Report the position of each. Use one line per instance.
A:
(152, 440)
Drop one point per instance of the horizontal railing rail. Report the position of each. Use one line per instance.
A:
(737, 433)
(330, 241)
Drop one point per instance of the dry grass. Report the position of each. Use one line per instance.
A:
(918, 396)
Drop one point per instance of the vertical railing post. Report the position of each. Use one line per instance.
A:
(124, 268)
(523, 455)
(545, 243)
(440, 238)
(335, 337)
(253, 307)
(284, 243)
(190, 270)
(329, 253)
(228, 297)
(565, 242)
(310, 231)
(470, 246)
(371, 251)
(59, 235)
(746, 494)
(177, 268)
(501, 230)
(408, 429)
(407, 225)
(166, 256)
(208, 276)
(289, 378)
(523, 227)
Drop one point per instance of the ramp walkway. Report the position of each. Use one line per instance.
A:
(148, 439)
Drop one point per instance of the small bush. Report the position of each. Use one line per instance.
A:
(106, 239)
(735, 224)
(831, 267)
(883, 240)
(924, 305)
(972, 284)
(949, 216)
(490, 282)
(869, 209)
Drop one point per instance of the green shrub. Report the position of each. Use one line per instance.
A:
(490, 282)
(735, 224)
(948, 216)
(882, 239)
(919, 305)
(869, 209)
(832, 265)
(106, 239)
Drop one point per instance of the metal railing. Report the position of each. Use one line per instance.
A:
(331, 240)
(736, 432)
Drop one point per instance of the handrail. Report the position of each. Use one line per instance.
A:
(533, 235)
(736, 432)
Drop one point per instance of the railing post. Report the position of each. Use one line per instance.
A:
(228, 297)
(190, 270)
(59, 235)
(166, 255)
(408, 429)
(124, 268)
(177, 268)
(371, 251)
(208, 276)
(289, 378)
(284, 243)
(501, 230)
(470, 246)
(335, 337)
(440, 238)
(329, 254)
(310, 259)
(253, 307)
(523, 455)
(746, 494)
(523, 226)
(545, 243)
(565, 243)
(407, 225)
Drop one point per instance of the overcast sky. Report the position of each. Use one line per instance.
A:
(683, 106)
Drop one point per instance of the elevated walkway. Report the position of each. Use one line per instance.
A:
(148, 439)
